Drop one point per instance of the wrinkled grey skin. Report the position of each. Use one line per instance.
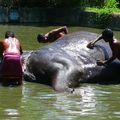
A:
(67, 62)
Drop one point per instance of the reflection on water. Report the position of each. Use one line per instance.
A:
(39, 102)
(83, 104)
(11, 112)
(10, 101)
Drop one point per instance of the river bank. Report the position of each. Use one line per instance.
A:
(60, 16)
(93, 19)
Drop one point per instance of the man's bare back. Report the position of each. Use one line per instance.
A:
(52, 35)
(10, 44)
(116, 49)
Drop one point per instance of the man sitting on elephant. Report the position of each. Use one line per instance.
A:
(52, 35)
(108, 36)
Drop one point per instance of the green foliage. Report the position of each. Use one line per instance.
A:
(110, 4)
(109, 7)
(103, 10)
(103, 17)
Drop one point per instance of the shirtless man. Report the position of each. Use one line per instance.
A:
(11, 67)
(52, 35)
(107, 36)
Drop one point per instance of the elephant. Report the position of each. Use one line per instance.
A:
(67, 63)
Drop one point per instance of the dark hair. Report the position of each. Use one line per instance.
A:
(9, 34)
(107, 33)
(40, 36)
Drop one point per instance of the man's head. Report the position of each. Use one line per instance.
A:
(107, 34)
(9, 34)
(40, 38)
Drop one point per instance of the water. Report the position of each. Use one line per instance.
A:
(33, 101)
(39, 102)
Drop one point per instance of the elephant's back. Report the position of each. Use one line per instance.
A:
(74, 46)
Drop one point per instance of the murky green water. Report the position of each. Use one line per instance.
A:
(33, 101)
(39, 102)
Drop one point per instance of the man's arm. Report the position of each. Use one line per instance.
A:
(1, 48)
(58, 30)
(19, 46)
(21, 52)
(63, 29)
(101, 62)
(92, 44)
(99, 38)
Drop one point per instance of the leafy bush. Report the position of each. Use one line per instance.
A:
(110, 4)
(103, 18)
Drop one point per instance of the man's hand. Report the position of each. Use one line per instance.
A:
(90, 45)
(100, 62)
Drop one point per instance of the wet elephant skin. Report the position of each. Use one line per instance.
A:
(67, 63)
